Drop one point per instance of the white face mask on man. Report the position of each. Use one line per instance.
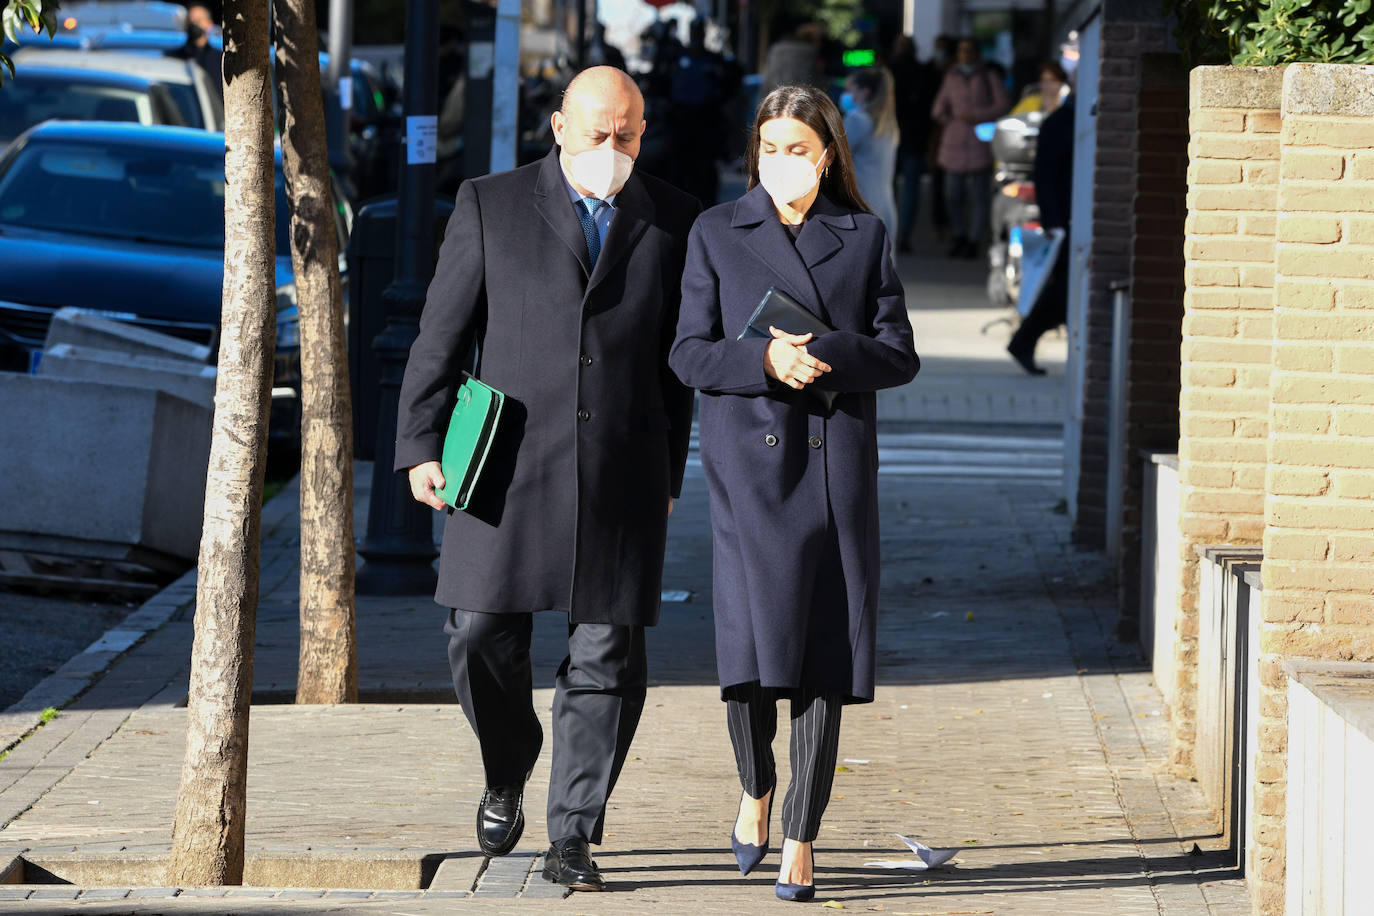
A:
(788, 178)
(601, 171)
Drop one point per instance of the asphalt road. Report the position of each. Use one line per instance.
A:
(42, 632)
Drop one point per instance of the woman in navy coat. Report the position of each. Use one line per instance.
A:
(793, 484)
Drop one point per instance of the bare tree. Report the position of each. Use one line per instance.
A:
(328, 671)
(208, 830)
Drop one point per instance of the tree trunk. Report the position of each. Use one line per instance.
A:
(208, 830)
(328, 671)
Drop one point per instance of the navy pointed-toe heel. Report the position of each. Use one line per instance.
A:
(747, 855)
(798, 893)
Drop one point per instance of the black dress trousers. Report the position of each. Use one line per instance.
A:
(598, 699)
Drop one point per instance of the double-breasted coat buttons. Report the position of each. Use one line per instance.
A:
(584, 414)
(814, 441)
(770, 440)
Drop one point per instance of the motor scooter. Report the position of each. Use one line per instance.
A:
(1014, 210)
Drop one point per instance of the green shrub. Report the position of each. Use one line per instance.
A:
(1252, 33)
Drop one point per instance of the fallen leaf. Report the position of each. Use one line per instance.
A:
(833, 905)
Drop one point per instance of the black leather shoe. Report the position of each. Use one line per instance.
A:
(500, 819)
(569, 863)
(1024, 358)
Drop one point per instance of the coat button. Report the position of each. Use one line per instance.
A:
(770, 440)
(586, 360)
(584, 414)
(814, 441)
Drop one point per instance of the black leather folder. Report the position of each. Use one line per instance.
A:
(779, 310)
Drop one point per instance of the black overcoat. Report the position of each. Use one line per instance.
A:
(571, 511)
(794, 506)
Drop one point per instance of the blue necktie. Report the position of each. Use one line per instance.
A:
(587, 214)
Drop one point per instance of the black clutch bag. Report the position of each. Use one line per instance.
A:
(787, 314)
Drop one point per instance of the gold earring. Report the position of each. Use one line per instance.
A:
(825, 173)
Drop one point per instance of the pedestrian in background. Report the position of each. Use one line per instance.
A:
(793, 61)
(200, 22)
(563, 274)
(794, 508)
(701, 84)
(914, 84)
(969, 95)
(1054, 86)
(1053, 177)
(870, 124)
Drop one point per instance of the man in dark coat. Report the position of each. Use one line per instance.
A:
(1053, 177)
(199, 23)
(565, 274)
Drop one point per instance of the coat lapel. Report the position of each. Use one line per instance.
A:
(634, 210)
(552, 201)
(820, 240)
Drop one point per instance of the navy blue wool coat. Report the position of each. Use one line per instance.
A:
(571, 510)
(794, 506)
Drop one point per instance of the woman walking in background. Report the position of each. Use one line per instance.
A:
(969, 95)
(793, 481)
(870, 122)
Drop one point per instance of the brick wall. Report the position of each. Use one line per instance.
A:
(1152, 370)
(1318, 573)
(1227, 325)
(1129, 30)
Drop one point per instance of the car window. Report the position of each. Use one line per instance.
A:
(170, 199)
(31, 101)
(187, 103)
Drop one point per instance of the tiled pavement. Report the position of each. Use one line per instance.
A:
(1007, 724)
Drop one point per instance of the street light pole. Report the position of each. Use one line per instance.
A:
(398, 551)
(339, 80)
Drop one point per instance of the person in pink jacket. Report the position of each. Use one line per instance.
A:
(969, 95)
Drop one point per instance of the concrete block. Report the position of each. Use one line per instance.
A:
(1328, 832)
(1236, 87)
(110, 468)
(82, 328)
(1328, 89)
(1159, 573)
(1221, 668)
(193, 381)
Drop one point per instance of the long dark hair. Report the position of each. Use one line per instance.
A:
(813, 108)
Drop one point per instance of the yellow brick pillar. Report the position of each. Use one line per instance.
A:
(1233, 154)
(1318, 572)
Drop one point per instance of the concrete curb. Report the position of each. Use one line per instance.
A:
(86, 668)
(82, 670)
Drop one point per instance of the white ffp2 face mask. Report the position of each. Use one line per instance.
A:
(788, 178)
(601, 171)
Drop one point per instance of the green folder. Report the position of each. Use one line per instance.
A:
(468, 441)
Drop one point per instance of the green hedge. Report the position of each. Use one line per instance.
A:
(1268, 32)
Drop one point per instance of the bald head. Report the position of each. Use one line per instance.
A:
(602, 109)
(604, 84)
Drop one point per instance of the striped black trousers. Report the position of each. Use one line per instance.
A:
(752, 716)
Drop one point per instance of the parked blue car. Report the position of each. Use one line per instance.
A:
(128, 220)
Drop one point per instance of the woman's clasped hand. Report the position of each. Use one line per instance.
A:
(787, 361)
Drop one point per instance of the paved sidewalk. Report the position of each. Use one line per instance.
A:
(1008, 725)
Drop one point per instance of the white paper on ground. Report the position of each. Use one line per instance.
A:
(926, 857)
